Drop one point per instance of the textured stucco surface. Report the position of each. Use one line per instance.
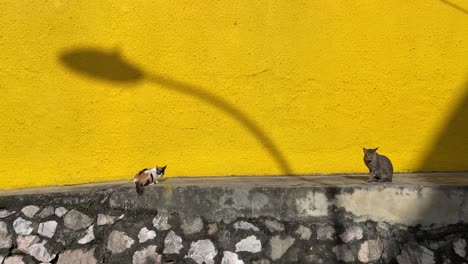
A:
(228, 87)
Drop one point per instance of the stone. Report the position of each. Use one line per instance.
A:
(245, 226)
(274, 226)
(370, 250)
(60, 211)
(119, 241)
(76, 220)
(146, 235)
(160, 222)
(279, 246)
(261, 261)
(147, 256)
(249, 244)
(5, 214)
(104, 219)
(47, 229)
(343, 253)
(192, 225)
(46, 212)
(231, 258)
(413, 253)
(352, 233)
(30, 211)
(303, 232)
(390, 251)
(5, 237)
(89, 236)
(32, 246)
(202, 251)
(459, 246)
(212, 229)
(22, 226)
(14, 260)
(172, 243)
(325, 232)
(77, 256)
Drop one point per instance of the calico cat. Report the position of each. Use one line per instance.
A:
(148, 177)
(380, 167)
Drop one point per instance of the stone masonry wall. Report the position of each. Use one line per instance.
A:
(92, 226)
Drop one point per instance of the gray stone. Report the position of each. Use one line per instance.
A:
(231, 258)
(261, 261)
(46, 212)
(343, 253)
(172, 243)
(32, 246)
(370, 250)
(5, 238)
(47, 229)
(147, 256)
(274, 226)
(192, 225)
(160, 222)
(352, 233)
(2, 258)
(325, 232)
(60, 211)
(249, 244)
(22, 226)
(5, 214)
(14, 260)
(202, 251)
(304, 232)
(146, 235)
(459, 246)
(212, 229)
(89, 236)
(104, 219)
(118, 242)
(76, 220)
(77, 256)
(279, 246)
(390, 251)
(413, 253)
(245, 226)
(30, 211)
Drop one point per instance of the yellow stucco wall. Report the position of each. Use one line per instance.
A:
(229, 87)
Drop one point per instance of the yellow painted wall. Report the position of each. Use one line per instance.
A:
(229, 87)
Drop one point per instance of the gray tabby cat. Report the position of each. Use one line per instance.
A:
(380, 167)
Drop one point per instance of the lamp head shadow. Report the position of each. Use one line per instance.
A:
(101, 64)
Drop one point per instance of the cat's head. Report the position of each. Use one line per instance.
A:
(160, 171)
(369, 154)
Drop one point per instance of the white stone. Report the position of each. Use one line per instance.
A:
(22, 226)
(78, 256)
(192, 225)
(279, 246)
(89, 236)
(146, 235)
(325, 232)
(249, 244)
(274, 226)
(46, 212)
(14, 260)
(245, 226)
(5, 214)
(202, 251)
(47, 229)
(352, 233)
(60, 211)
(5, 238)
(304, 232)
(459, 246)
(119, 242)
(231, 258)
(370, 250)
(343, 253)
(147, 255)
(32, 246)
(104, 219)
(76, 220)
(30, 211)
(172, 243)
(160, 221)
(2, 258)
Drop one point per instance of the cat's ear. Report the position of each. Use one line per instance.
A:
(376, 149)
(364, 149)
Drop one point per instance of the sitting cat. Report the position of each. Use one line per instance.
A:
(148, 177)
(380, 167)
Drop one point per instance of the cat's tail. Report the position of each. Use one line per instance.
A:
(139, 188)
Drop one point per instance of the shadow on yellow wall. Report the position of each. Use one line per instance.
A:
(110, 66)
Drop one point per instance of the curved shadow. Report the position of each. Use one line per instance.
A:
(110, 66)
